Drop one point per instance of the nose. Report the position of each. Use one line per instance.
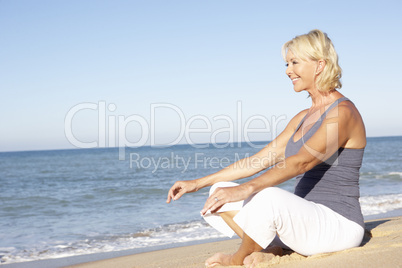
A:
(289, 70)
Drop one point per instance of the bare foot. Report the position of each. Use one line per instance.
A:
(264, 256)
(218, 259)
(256, 258)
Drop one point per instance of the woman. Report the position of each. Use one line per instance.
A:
(321, 146)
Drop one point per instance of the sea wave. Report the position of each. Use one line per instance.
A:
(160, 236)
(372, 205)
(396, 173)
(368, 175)
(168, 234)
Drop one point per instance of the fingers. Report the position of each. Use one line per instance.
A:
(179, 194)
(172, 194)
(169, 198)
(213, 204)
(178, 189)
(215, 201)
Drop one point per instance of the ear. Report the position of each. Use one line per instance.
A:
(320, 66)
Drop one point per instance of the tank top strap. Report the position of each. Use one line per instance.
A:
(335, 103)
(301, 122)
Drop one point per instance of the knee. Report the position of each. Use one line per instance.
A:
(277, 194)
(272, 197)
(273, 193)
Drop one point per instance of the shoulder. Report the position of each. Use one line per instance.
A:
(292, 125)
(349, 121)
(345, 112)
(301, 114)
(294, 122)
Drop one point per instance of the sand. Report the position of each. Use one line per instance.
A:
(382, 247)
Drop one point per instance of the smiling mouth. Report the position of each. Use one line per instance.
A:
(294, 80)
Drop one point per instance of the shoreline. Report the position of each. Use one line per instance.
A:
(193, 254)
(381, 247)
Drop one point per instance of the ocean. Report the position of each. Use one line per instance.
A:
(62, 203)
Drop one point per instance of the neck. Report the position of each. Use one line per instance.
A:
(321, 99)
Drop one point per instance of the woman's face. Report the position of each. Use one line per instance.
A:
(301, 72)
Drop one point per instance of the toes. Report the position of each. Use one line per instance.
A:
(248, 261)
(256, 258)
(213, 261)
(251, 260)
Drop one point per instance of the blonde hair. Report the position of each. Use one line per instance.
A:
(316, 46)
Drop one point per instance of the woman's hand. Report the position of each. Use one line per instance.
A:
(225, 195)
(180, 188)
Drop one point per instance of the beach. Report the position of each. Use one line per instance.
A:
(381, 247)
(68, 207)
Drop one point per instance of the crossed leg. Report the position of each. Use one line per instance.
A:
(244, 254)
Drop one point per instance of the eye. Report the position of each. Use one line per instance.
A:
(294, 62)
(287, 64)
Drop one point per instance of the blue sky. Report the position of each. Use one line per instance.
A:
(204, 58)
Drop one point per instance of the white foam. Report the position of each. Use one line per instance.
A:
(396, 173)
(164, 235)
(372, 205)
(169, 234)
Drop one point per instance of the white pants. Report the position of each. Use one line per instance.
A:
(306, 227)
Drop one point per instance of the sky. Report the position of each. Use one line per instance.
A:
(84, 74)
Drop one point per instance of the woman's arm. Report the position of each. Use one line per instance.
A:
(340, 127)
(271, 154)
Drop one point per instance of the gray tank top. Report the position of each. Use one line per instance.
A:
(335, 182)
